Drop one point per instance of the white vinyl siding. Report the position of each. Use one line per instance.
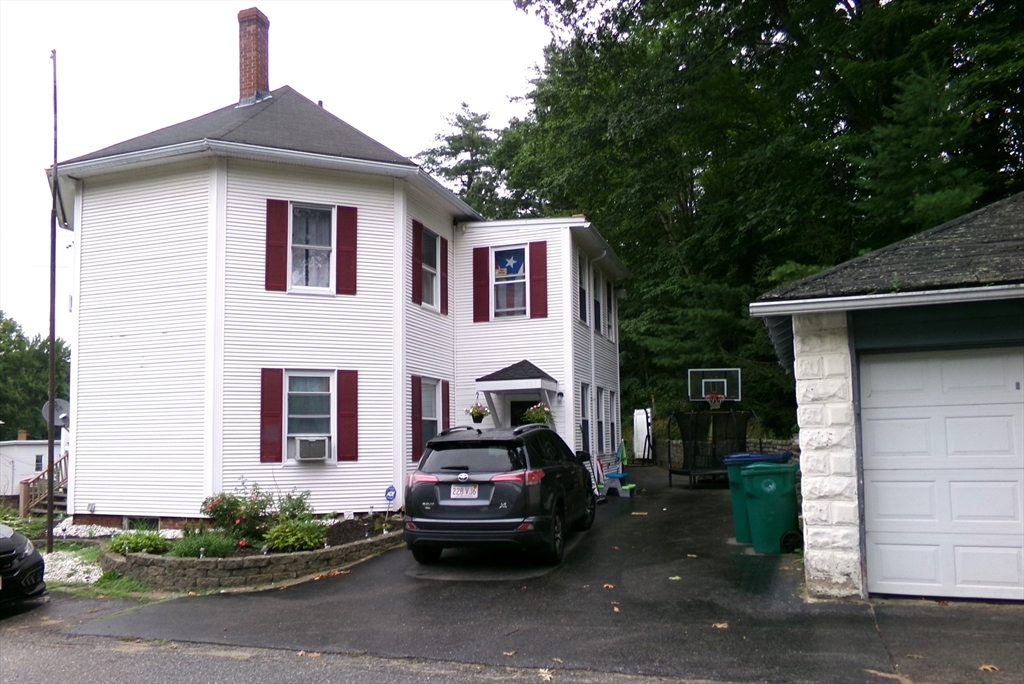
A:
(138, 381)
(483, 348)
(429, 335)
(300, 331)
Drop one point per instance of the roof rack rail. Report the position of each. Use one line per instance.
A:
(457, 428)
(528, 427)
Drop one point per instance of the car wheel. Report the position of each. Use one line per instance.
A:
(552, 555)
(426, 555)
(589, 513)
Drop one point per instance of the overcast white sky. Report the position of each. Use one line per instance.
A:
(392, 68)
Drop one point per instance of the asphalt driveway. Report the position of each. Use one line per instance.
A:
(654, 588)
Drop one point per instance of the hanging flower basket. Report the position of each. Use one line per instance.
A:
(478, 412)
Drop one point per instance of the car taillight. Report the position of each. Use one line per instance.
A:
(416, 477)
(527, 477)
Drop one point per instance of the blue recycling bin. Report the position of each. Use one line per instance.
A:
(735, 464)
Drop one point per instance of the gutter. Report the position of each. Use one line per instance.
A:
(886, 301)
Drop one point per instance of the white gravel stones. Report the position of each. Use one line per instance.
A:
(65, 566)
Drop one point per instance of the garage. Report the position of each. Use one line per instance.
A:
(943, 463)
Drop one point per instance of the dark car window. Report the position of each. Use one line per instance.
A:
(487, 458)
(544, 451)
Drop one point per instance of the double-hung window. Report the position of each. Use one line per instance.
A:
(585, 415)
(613, 412)
(600, 420)
(311, 242)
(430, 419)
(431, 269)
(39, 463)
(308, 409)
(509, 281)
(597, 303)
(609, 304)
(582, 280)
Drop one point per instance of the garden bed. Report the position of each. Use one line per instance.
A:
(346, 542)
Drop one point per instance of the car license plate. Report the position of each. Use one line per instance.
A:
(464, 491)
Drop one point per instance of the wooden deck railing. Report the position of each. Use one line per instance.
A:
(35, 489)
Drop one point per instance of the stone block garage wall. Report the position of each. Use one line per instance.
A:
(828, 455)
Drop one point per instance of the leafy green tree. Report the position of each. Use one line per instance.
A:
(726, 148)
(24, 379)
(464, 158)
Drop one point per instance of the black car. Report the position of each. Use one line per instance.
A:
(21, 568)
(516, 488)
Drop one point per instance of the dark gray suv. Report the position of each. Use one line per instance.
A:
(517, 488)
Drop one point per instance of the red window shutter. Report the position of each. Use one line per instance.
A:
(271, 415)
(538, 280)
(417, 262)
(481, 285)
(345, 252)
(276, 266)
(446, 404)
(417, 417)
(444, 277)
(348, 415)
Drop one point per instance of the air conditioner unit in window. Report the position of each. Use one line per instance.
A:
(311, 448)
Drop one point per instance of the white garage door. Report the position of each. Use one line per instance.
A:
(943, 445)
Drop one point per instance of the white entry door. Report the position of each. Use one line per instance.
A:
(943, 446)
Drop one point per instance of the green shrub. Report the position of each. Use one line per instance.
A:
(214, 545)
(296, 535)
(115, 584)
(244, 516)
(294, 506)
(33, 528)
(138, 542)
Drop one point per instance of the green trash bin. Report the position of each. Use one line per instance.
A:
(735, 463)
(771, 506)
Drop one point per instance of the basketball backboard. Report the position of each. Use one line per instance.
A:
(716, 381)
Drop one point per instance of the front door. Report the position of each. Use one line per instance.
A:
(516, 411)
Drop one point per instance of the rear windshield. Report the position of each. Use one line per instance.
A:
(482, 458)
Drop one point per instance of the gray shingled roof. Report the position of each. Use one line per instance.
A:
(524, 370)
(985, 247)
(286, 120)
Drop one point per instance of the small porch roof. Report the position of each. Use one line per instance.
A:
(519, 376)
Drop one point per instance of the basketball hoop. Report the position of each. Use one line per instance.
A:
(714, 400)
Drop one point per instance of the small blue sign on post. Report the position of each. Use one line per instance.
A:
(390, 493)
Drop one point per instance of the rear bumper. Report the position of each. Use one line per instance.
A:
(445, 534)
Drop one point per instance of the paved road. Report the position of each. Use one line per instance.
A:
(653, 590)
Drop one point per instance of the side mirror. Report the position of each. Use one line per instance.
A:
(582, 457)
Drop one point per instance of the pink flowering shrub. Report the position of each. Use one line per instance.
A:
(245, 516)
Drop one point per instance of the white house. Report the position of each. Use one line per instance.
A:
(909, 366)
(20, 459)
(264, 294)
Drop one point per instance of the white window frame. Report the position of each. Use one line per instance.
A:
(525, 280)
(583, 276)
(291, 439)
(438, 407)
(598, 282)
(585, 417)
(434, 272)
(40, 463)
(612, 423)
(330, 287)
(600, 421)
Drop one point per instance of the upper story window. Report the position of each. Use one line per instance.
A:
(308, 407)
(431, 269)
(311, 246)
(610, 307)
(597, 303)
(509, 281)
(582, 280)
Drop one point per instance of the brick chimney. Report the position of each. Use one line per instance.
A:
(253, 60)
(23, 435)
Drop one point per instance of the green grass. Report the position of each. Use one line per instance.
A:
(90, 553)
(214, 546)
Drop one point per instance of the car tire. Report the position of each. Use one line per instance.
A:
(552, 553)
(426, 555)
(589, 513)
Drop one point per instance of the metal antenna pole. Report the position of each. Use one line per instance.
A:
(53, 322)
